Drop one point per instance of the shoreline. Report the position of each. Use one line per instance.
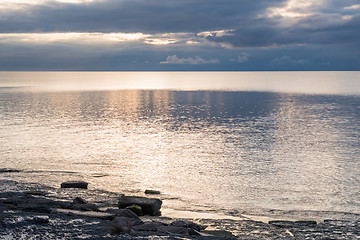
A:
(18, 219)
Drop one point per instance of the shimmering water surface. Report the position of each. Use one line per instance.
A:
(230, 141)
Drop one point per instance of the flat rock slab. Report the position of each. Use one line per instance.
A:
(173, 230)
(71, 184)
(89, 214)
(148, 227)
(290, 224)
(149, 206)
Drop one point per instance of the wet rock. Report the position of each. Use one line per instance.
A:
(290, 224)
(148, 191)
(79, 200)
(120, 226)
(70, 184)
(148, 227)
(283, 224)
(41, 219)
(123, 213)
(85, 207)
(187, 224)
(305, 223)
(89, 214)
(217, 233)
(129, 221)
(29, 203)
(36, 193)
(135, 209)
(173, 230)
(149, 206)
(7, 170)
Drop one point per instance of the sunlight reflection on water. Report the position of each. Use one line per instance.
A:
(215, 149)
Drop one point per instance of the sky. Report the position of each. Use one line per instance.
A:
(180, 35)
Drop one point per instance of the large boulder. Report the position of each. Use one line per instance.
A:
(71, 184)
(149, 206)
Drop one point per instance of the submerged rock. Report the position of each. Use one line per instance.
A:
(149, 206)
(89, 214)
(71, 184)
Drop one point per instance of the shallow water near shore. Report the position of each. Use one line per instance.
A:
(255, 145)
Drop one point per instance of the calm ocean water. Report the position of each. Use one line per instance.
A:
(229, 141)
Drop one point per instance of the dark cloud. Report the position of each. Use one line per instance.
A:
(328, 38)
(312, 30)
(133, 16)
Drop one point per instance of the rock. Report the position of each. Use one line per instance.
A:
(148, 191)
(123, 213)
(306, 223)
(79, 200)
(6, 170)
(289, 224)
(173, 230)
(85, 207)
(120, 226)
(81, 204)
(149, 206)
(148, 227)
(41, 219)
(90, 214)
(135, 209)
(217, 233)
(187, 224)
(281, 223)
(79, 184)
(129, 221)
(36, 193)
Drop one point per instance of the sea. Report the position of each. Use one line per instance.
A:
(238, 143)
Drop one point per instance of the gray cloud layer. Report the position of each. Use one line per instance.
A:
(324, 35)
(133, 16)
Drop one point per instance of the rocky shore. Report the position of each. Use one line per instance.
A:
(34, 211)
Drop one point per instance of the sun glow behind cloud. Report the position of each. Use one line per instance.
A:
(72, 36)
(13, 5)
(97, 37)
(43, 1)
(295, 9)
